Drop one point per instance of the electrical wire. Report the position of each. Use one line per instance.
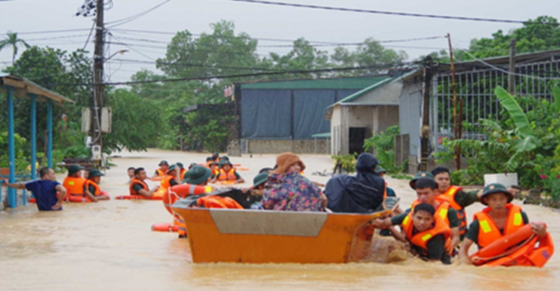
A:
(134, 17)
(89, 35)
(382, 12)
(196, 65)
(504, 70)
(54, 31)
(214, 77)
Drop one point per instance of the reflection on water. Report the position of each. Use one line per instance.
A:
(109, 246)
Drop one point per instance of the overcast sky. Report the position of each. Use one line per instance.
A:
(264, 21)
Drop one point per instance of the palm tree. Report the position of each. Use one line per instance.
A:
(13, 41)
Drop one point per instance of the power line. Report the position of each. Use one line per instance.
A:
(196, 65)
(201, 78)
(134, 17)
(381, 12)
(89, 35)
(54, 31)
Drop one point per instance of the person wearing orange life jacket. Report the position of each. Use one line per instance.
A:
(182, 171)
(74, 182)
(455, 196)
(427, 234)
(499, 219)
(171, 179)
(91, 186)
(214, 169)
(425, 187)
(196, 176)
(162, 171)
(227, 173)
(389, 192)
(138, 186)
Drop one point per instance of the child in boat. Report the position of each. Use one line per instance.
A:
(287, 190)
(499, 219)
(427, 233)
(227, 173)
(91, 186)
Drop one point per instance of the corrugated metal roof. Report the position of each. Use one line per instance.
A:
(380, 83)
(333, 83)
(23, 87)
(322, 135)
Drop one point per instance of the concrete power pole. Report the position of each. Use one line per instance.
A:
(425, 130)
(98, 81)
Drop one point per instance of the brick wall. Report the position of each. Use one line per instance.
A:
(280, 146)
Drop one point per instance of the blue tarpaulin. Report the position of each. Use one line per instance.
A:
(285, 113)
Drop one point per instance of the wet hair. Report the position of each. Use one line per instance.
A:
(425, 207)
(44, 171)
(424, 183)
(439, 170)
(131, 168)
(265, 170)
(137, 171)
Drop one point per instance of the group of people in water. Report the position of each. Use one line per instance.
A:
(435, 225)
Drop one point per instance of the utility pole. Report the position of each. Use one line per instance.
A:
(98, 78)
(425, 131)
(457, 117)
(511, 76)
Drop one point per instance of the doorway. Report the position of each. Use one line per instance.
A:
(356, 140)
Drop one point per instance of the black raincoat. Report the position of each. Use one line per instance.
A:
(362, 193)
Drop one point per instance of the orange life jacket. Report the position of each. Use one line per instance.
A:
(421, 239)
(385, 192)
(182, 175)
(74, 186)
(182, 191)
(134, 182)
(229, 176)
(488, 231)
(218, 202)
(97, 189)
(441, 210)
(160, 172)
(449, 197)
(165, 182)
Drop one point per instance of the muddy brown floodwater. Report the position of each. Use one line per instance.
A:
(109, 246)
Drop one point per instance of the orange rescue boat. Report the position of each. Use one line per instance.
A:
(253, 236)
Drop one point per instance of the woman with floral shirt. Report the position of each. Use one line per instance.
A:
(288, 190)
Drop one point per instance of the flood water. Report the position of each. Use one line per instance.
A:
(109, 246)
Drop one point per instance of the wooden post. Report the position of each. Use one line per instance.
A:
(511, 76)
(425, 130)
(456, 119)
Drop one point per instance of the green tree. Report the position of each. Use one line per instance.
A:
(136, 122)
(13, 41)
(369, 54)
(303, 56)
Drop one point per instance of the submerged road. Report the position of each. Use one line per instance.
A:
(109, 246)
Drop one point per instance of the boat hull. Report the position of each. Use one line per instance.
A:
(251, 236)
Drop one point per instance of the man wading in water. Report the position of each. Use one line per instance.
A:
(44, 190)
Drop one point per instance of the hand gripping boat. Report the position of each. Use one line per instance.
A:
(256, 236)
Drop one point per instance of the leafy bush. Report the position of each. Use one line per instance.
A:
(383, 145)
(347, 162)
(525, 143)
(20, 144)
